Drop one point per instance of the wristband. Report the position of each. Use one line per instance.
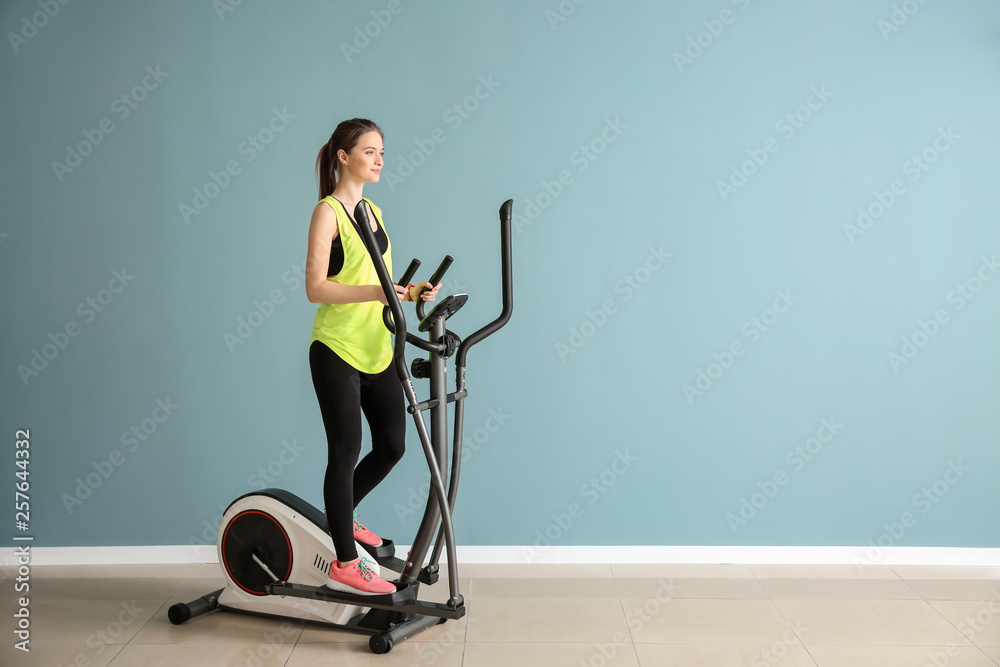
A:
(408, 288)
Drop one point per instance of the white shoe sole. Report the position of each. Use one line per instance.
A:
(340, 587)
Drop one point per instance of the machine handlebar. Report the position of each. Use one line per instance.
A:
(410, 271)
(435, 279)
(507, 281)
(441, 270)
(398, 321)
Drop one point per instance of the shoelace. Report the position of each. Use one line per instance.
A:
(365, 570)
(357, 524)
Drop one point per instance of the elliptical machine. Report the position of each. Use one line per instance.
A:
(275, 548)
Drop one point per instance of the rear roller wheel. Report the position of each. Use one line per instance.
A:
(380, 643)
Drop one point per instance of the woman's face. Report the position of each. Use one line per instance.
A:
(364, 161)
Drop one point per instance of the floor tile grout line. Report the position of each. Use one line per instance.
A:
(926, 599)
(770, 597)
(937, 611)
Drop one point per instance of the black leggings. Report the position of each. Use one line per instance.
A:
(343, 393)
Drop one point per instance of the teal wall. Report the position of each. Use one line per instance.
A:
(755, 247)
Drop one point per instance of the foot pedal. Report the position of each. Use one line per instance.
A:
(386, 550)
(404, 594)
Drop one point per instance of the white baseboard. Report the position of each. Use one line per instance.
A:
(184, 554)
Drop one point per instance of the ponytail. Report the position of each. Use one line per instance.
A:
(344, 138)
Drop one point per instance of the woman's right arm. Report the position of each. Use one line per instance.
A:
(322, 231)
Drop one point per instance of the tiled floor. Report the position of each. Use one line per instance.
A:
(545, 615)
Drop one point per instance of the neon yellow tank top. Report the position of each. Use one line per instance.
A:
(355, 330)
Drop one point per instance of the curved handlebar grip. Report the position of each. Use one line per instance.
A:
(441, 270)
(507, 281)
(407, 276)
(435, 279)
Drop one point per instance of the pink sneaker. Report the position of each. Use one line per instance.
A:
(357, 578)
(363, 535)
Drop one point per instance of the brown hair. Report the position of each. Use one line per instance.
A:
(345, 137)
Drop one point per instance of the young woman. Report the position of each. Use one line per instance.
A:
(350, 350)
